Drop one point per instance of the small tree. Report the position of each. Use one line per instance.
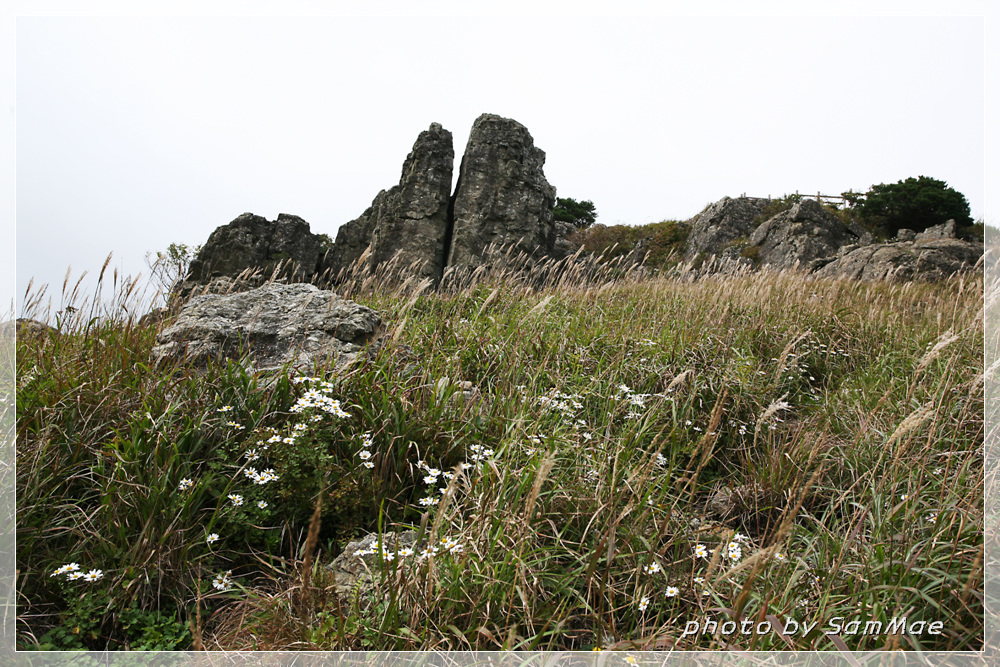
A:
(916, 203)
(580, 213)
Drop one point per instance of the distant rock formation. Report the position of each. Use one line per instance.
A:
(408, 221)
(250, 242)
(922, 260)
(274, 324)
(502, 197)
(721, 224)
(805, 236)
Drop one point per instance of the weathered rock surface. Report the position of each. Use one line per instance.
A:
(410, 220)
(252, 242)
(806, 236)
(353, 567)
(925, 260)
(502, 197)
(26, 328)
(946, 230)
(275, 324)
(722, 223)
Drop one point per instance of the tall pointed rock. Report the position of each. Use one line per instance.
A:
(502, 196)
(410, 220)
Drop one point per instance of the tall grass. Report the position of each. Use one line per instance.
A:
(820, 442)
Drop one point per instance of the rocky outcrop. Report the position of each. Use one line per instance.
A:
(502, 197)
(25, 328)
(946, 230)
(408, 222)
(501, 201)
(721, 224)
(274, 325)
(252, 243)
(923, 260)
(352, 569)
(804, 236)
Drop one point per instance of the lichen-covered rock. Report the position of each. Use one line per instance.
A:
(502, 197)
(932, 259)
(253, 243)
(409, 221)
(804, 236)
(722, 223)
(946, 230)
(352, 569)
(275, 325)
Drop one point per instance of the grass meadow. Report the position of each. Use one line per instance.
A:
(592, 458)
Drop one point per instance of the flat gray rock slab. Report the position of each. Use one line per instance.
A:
(274, 325)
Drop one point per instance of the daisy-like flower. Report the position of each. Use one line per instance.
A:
(73, 576)
(93, 575)
(364, 454)
(699, 580)
(262, 504)
(430, 479)
(368, 464)
(251, 454)
(739, 537)
(643, 603)
(734, 551)
(700, 551)
(932, 517)
(405, 552)
(903, 496)
(300, 427)
(237, 426)
(427, 552)
(212, 538)
(672, 591)
(236, 498)
(652, 568)
(70, 567)
(938, 471)
(706, 593)
(427, 502)
(661, 460)
(185, 484)
(780, 557)
(221, 581)
(366, 440)
(225, 408)
(451, 545)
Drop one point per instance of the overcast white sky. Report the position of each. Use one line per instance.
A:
(132, 133)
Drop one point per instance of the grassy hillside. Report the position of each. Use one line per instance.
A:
(637, 454)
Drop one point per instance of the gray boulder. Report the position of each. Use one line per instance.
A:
(502, 197)
(274, 324)
(946, 230)
(928, 260)
(352, 569)
(804, 236)
(251, 243)
(408, 222)
(722, 223)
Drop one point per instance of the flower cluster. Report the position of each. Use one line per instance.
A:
(260, 478)
(317, 398)
(480, 453)
(73, 572)
(567, 404)
(221, 581)
(365, 454)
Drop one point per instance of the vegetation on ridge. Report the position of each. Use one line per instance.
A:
(642, 453)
